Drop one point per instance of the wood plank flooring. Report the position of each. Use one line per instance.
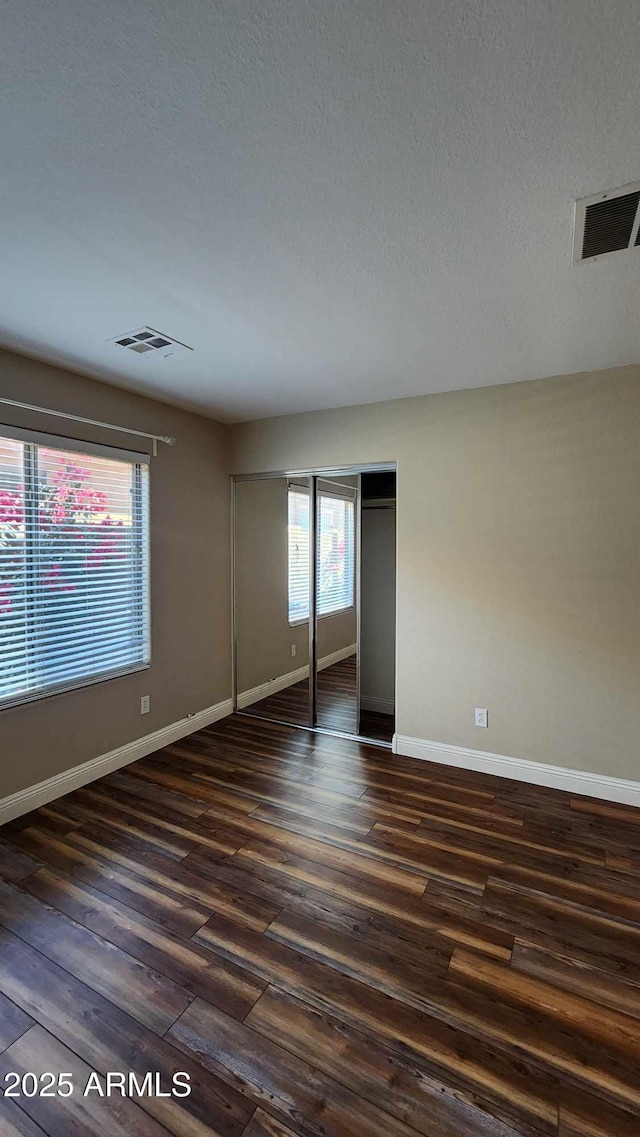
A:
(331, 940)
(336, 704)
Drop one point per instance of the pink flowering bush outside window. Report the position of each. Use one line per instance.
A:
(70, 589)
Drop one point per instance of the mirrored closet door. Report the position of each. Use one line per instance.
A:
(272, 598)
(314, 592)
(336, 584)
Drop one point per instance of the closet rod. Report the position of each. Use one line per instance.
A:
(155, 438)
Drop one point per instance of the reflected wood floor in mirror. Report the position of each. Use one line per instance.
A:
(337, 696)
(331, 940)
(289, 705)
(337, 690)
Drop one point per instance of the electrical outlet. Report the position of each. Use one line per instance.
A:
(145, 702)
(482, 716)
(294, 650)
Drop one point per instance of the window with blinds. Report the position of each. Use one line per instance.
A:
(298, 538)
(335, 552)
(74, 596)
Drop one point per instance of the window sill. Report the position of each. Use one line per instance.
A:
(324, 616)
(23, 699)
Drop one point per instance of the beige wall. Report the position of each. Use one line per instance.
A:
(518, 553)
(264, 636)
(518, 558)
(190, 579)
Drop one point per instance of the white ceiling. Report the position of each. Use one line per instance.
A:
(332, 201)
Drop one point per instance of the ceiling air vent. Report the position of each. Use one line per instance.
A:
(148, 341)
(606, 223)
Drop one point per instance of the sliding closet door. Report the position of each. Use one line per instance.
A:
(272, 598)
(336, 603)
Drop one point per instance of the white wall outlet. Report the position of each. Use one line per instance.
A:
(145, 702)
(294, 650)
(482, 716)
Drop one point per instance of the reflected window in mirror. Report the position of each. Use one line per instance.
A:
(298, 543)
(336, 554)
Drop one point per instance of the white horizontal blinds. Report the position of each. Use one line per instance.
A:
(13, 567)
(298, 547)
(73, 568)
(336, 554)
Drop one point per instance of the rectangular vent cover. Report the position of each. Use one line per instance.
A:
(149, 342)
(606, 223)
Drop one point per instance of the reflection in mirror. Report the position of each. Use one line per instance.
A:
(272, 598)
(337, 681)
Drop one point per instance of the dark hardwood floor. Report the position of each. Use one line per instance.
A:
(376, 726)
(336, 704)
(330, 940)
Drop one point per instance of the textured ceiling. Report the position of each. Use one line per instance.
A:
(332, 201)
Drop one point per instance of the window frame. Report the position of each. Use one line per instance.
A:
(292, 487)
(141, 501)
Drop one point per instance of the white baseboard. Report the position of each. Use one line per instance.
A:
(33, 796)
(272, 686)
(381, 706)
(337, 656)
(537, 773)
